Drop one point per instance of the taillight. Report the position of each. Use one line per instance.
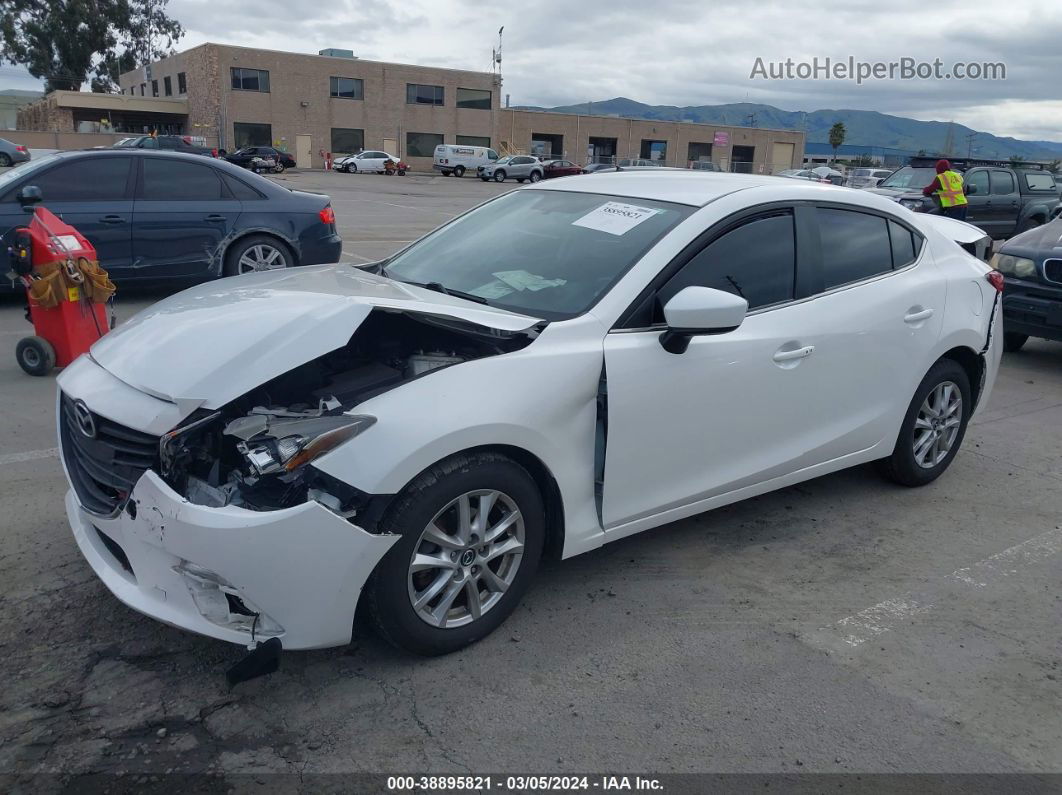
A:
(21, 149)
(327, 215)
(996, 279)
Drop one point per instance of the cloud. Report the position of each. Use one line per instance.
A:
(688, 52)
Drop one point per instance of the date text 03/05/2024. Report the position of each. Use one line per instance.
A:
(522, 783)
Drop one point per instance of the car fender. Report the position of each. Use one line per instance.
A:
(541, 399)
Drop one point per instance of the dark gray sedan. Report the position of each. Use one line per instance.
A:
(12, 154)
(156, 216)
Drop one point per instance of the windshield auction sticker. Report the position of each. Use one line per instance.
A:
(615, 218)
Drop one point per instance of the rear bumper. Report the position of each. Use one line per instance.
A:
(1032, 308)
(204, 569)
(323, 251)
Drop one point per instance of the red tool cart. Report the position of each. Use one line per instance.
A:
(66, 290)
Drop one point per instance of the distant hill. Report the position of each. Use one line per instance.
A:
(865, 127)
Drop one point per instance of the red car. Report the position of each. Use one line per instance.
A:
(561, 168)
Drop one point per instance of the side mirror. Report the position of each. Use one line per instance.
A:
(28, 196)
(971, 189)
(696, 311)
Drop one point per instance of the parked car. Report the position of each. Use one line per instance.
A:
(169, 143)
(866, 177)
(799, 173)
(593, 168)
(11, 154)
(633, 164)
(370, 162)
(561, 168)
(518, 167)
(418, 433)
(245, 157)
(160, 215)
(458, 160)
(1002, 201)
(705, 165)
(1032, 299)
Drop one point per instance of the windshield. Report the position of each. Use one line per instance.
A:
(17, 173)
(504, 160)
(126, 143)
(546, 253)
(909, 177)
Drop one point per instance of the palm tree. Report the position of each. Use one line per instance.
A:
(837, 134)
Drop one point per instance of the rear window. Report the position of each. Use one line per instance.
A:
(855, 246)
(1040, 181)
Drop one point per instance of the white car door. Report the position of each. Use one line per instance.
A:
(809, 376)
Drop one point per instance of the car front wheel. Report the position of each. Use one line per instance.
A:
(499, 176)
(472, 530)
(351, 168)
(933, 428)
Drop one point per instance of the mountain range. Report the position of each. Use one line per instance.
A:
(864, 127)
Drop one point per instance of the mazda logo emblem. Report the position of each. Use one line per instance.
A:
(86, 423)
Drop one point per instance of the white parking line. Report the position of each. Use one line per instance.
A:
(31, 455)
(355, 256)
(857, 629)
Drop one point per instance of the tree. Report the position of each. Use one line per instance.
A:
(1054, 165)
(1016, 161)
(63, 42)
(837, 134)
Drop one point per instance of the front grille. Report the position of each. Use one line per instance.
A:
(1053, 270)
(103, 468)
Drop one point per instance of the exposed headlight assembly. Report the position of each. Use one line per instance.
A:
(275, 446)
(912, 204)
(1014, 266)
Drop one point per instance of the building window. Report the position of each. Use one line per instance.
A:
(182, 84)
(473, 98)
(252, 134)
(699, 152)
(422, 144)
(346, 88)
(653, 150)
(154, 88)
(423, 95)
(250, 79)
(167, 86)
(347, 142)
(473, 140)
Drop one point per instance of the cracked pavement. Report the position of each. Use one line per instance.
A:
(707, 645)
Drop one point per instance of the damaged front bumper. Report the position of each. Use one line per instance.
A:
(229, 572)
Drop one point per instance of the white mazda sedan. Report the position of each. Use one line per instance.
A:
(560, 367)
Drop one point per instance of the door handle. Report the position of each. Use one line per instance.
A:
(214, 218)
(918, 317)
(799, 353)
(112, 219)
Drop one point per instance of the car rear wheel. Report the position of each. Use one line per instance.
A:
(1013, 342)
(257, 253)
(459, 172)
(5, 160)
(535, 176)
(278, 168)
(472, 530)
(933, 428)
(499, 176)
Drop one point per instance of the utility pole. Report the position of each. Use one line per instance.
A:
(969, 144)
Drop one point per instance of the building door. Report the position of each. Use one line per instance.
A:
(741, 159)
(390, 145)
(302, 151)
(781, 157)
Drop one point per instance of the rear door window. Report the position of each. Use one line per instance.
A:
(179, 180)
(1002, 183)
(756, 261)
(855, 246)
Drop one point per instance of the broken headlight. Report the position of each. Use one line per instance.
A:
(273, 445)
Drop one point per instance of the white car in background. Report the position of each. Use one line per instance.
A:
(866, 177)
(561, 367)
(371, 161)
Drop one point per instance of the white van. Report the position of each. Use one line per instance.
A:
(456, 160)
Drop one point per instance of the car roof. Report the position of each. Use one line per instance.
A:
(217, 162)
(698, 188)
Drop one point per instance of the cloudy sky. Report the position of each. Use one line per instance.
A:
(684, 52)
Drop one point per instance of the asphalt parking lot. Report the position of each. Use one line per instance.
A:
(843, 625)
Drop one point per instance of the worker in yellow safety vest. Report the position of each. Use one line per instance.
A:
(947, 186)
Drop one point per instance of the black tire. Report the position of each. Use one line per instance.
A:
(535, 176)
(1013, 341)
(499, 175)
(401, 172)
(902, 467)
(244, 244)
(278, 168)
(351, 168)
(35, 355)
(459, 172)
(5, 160)
(1029, 223)
(388, 587)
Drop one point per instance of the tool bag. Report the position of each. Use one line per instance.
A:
(57, 279)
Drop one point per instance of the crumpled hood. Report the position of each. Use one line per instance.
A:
(212, 343)
(1044, 239)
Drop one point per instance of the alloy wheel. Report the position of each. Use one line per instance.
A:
(466, 559)
(937, 424)
(261, 257)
